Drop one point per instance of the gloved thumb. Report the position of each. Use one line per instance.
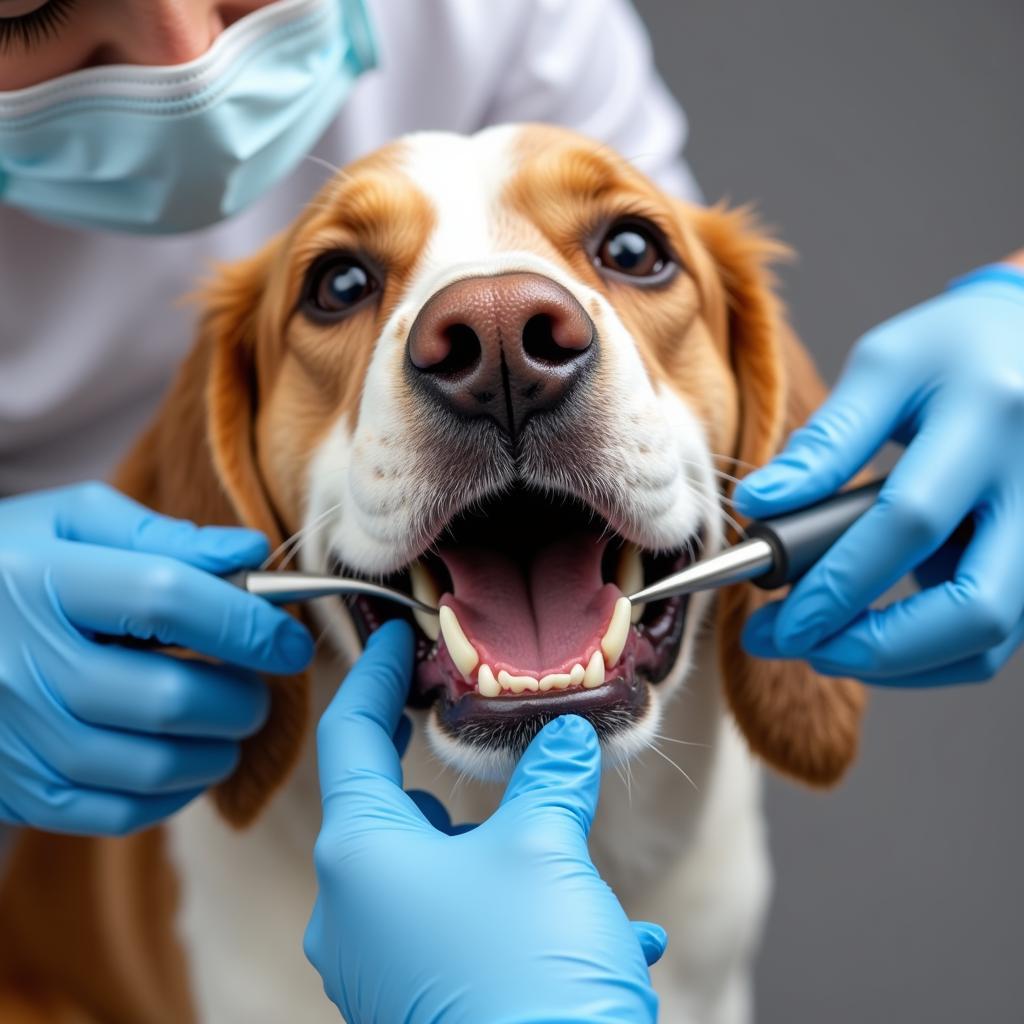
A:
(560, 771)
(653, 940)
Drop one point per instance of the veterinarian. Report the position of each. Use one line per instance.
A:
(118, 189)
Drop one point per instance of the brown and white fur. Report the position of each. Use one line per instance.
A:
(281, 423)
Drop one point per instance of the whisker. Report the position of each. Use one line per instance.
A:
(685, 743)
(290, 546)
(321, 162)
(733, 458)
(665, 757)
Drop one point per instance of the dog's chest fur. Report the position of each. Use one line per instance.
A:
(689, 856)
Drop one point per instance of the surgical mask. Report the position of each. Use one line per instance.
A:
(167, 149)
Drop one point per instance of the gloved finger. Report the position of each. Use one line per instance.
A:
(432, 809)
(148, 692)
(128, 762)
(933, 487)
(98, 813)
(978, 609)
(354, 734)
(978, 668)
(312, 940)
(653, 940)
(862, 412)
(402, 735)
(95, 513)
(103, 590)
(758, 637)
(320, 945)
(560, 770)
(941, 565)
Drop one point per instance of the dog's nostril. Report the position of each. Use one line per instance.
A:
(548, 339)
(464, 351)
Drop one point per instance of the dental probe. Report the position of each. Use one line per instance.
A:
(776, 551)
(285, 587)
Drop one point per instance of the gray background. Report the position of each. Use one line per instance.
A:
(885, 141)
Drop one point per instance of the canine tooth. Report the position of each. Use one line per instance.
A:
(462, 651)
(629, 576)
(576, 674)
(614, 639)
(594, 676)
(425, 589)
(486, 683)
(517, 683)
(555, 680)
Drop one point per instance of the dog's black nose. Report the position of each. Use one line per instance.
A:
(506, 347)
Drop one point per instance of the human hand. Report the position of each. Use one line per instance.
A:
(945, 379)
(508, 921)
(100, 738)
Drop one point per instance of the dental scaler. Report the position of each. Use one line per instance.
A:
(777, 551)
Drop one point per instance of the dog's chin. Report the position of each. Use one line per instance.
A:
(536, 627)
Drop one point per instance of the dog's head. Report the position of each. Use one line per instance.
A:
(509, 374)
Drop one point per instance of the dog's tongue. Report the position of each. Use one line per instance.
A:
(533, 613)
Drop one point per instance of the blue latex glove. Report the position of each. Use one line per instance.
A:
(946, 379)
(99, 738)
(508, 921)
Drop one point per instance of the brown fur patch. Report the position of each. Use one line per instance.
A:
(803, 724)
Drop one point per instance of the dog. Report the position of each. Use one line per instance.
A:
(507, 373)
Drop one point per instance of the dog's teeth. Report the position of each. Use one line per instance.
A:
(517, 684)
(594, 675)
(614, 639)
(563, 680)
(463, 653)
(576, 674)
(556, 681)
(425, 589)
(629, 576)
(486, 683)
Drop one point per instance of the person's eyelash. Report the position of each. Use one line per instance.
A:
(30, 29)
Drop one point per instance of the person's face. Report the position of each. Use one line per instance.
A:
(42, 39)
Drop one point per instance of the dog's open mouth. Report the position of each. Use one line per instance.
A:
(534, 618)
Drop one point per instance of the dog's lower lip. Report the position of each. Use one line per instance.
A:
(471, 706)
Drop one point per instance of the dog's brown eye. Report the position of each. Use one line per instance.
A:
(338, 285)
(633, 250)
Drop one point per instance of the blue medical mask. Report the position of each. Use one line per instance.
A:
(166, 149)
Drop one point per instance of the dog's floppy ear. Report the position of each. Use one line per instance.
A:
(197, 461)
(803, 724)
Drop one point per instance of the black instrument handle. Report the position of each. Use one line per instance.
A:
(800, 538)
